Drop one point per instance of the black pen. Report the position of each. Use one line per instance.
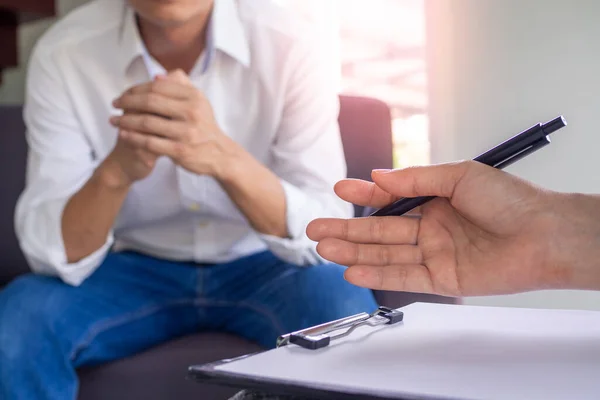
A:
(500, 157)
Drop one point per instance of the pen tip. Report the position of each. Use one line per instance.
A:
(562, 120)
(554, 125)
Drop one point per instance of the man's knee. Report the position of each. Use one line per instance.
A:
(27, 314)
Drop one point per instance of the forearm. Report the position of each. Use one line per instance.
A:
(258, 194)
(577, 241)
(91, 212)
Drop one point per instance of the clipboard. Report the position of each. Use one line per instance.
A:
(438, 351)
(210, 373)
(312, 338)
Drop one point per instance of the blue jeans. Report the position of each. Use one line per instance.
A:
(134, 302)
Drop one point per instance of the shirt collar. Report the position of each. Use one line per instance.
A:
(130, 41)
(225, 32)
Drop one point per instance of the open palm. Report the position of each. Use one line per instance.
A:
(475, 239)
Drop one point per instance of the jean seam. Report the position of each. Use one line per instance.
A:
(121, 320)
(258, 309)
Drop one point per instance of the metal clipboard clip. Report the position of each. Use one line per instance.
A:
(317, 337)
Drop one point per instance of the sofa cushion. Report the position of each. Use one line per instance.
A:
(160, 373)
(13, 153)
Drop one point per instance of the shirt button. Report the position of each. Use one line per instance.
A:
(203, 224)
(194, 207)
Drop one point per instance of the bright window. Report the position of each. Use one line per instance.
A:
(382, 50)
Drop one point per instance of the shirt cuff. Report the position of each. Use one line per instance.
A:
(45, 250)
(297, 248)
(75, 273)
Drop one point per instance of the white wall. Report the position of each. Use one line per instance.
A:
(12, 88)
(497, 67)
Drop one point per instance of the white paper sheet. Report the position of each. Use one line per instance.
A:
(450, 351)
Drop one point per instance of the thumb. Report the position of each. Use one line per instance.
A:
(177, 76)
(437, 180)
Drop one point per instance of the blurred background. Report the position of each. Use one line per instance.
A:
(459, 75)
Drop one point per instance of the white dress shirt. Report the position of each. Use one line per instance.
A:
(270, 90)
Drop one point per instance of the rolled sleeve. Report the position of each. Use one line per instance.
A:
(297, 205)
(59, 163)
(42, 244)
(301, 208)
(297, 248)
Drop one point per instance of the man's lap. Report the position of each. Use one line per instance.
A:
(111, 315)
(133, 302)
(267, 297)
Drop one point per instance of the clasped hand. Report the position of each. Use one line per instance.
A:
(170, 117)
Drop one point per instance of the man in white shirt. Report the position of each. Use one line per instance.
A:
(177, 152)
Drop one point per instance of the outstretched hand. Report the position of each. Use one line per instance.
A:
(487, 233)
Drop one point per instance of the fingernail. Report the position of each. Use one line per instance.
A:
(381, 171)
(114, 120)
(115, 102)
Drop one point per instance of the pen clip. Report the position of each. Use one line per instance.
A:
(534, 147)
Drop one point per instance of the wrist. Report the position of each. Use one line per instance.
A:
(575, 242)
(111, 176)
(231, 164)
